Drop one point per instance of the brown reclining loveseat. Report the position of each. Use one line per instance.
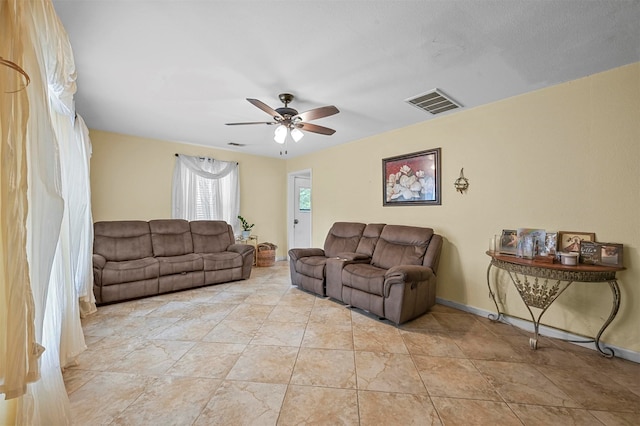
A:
(391, 272)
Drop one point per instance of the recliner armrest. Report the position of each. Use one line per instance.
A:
(298, 253)
(242, 249)
(406, 274)
(99, 261)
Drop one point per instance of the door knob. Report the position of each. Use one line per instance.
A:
(295, 221)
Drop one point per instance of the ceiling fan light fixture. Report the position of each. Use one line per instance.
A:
(296, 134)
(280, 134)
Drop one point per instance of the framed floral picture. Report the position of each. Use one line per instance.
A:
(412, 179)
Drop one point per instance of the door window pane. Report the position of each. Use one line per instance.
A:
(305, 200)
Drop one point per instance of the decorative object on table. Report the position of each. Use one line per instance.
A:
(605, 254)
(570, 241)
(569, 258)
(551, 243)
(266, 254)
(412, 179)
(462, 183)
(246, 228)
(530, 242)
(509, 242)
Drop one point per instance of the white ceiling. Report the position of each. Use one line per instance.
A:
(180, 70)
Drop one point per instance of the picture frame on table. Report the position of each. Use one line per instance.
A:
(551, 243)
(570, 240)
(508, 242)
(412, 179)
(610, 254)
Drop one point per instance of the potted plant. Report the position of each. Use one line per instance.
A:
(246, 228)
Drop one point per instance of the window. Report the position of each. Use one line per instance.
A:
(304, 200)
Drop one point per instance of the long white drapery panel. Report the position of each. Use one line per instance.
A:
(59, 226)
(206, 189)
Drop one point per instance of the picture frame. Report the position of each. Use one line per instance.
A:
(412, 179)
(531, 242)
(570, 240)
(509, 242)
(610, 254)
(551, 243)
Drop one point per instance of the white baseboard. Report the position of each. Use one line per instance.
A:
(543, 330)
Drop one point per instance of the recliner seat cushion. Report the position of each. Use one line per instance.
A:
(220, 261)
(364, 277)
(171, 237)
(129, 271)
(312, 266)
(211, 236)
(180, 264)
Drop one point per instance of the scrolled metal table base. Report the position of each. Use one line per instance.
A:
(540, 286)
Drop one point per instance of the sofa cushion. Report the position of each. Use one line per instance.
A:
(122, 240)
(211, 236)
(312, 266)
(343, 237)
(369, 239)
(171, 237)
(401, 245)
(180, 264)
(364, 277)
(219, 261)
(129, 271)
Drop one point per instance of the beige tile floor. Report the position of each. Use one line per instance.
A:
(261, 352)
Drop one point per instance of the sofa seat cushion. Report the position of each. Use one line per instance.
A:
(130, 270)
(364, 277)
(312, 266)
(180, 264)
(219, 261)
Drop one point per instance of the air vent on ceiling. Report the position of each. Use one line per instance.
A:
(434, 102)
(236, 144)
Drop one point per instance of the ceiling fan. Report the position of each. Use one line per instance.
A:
(289, 120)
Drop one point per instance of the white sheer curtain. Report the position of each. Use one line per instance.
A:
(58, 224)
(206, 189)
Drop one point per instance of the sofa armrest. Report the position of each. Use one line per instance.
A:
(99, 261)
(406, 274)
(243, 249)
(298, 253)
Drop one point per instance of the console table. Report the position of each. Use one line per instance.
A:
(539, 284)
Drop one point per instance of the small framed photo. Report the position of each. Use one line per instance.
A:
(610, 254)
(551, 243)
(530, 242)
(570, 241)
(509, 242)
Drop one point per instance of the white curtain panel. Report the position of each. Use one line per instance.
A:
(206, 189)
(59, 227)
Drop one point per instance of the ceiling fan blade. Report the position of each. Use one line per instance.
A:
(316, 129)
(250, 122)
(266, 108)
(314, 114)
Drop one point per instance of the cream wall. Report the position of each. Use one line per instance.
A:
(563, 158)
(131, 180)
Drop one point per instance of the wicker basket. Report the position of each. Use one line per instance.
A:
(266, 254)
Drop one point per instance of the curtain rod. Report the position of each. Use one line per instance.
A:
(202, 158)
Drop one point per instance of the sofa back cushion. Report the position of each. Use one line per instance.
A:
(122, 240)
(343, 237)
(370, 238)
(211, 236)
(401, 245)
(171, 237)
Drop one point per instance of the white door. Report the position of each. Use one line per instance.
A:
(302, 212)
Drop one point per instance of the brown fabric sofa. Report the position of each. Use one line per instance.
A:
(133, 259)
(392, 273)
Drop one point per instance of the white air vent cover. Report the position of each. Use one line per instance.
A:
(434, 102)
